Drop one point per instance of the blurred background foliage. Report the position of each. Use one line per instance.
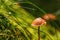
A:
(16, 17)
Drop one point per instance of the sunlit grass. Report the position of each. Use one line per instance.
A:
(15, 23)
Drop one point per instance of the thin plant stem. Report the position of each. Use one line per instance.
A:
(38, 32)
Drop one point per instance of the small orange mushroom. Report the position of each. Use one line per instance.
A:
(46, 17)
(49, 16)
(38, 22)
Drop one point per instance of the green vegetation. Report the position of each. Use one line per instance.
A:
(16, 18)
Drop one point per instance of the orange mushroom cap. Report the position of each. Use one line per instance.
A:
(38, 22)
(49, 16)
(46, 17)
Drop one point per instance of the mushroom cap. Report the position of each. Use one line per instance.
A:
(38, 22)
(46, 17)
(49, 16)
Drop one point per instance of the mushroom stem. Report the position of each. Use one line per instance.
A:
(38, 32)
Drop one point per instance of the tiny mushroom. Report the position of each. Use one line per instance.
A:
(38, 22)
(46, 17)
(52, 16)
(49, 16)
